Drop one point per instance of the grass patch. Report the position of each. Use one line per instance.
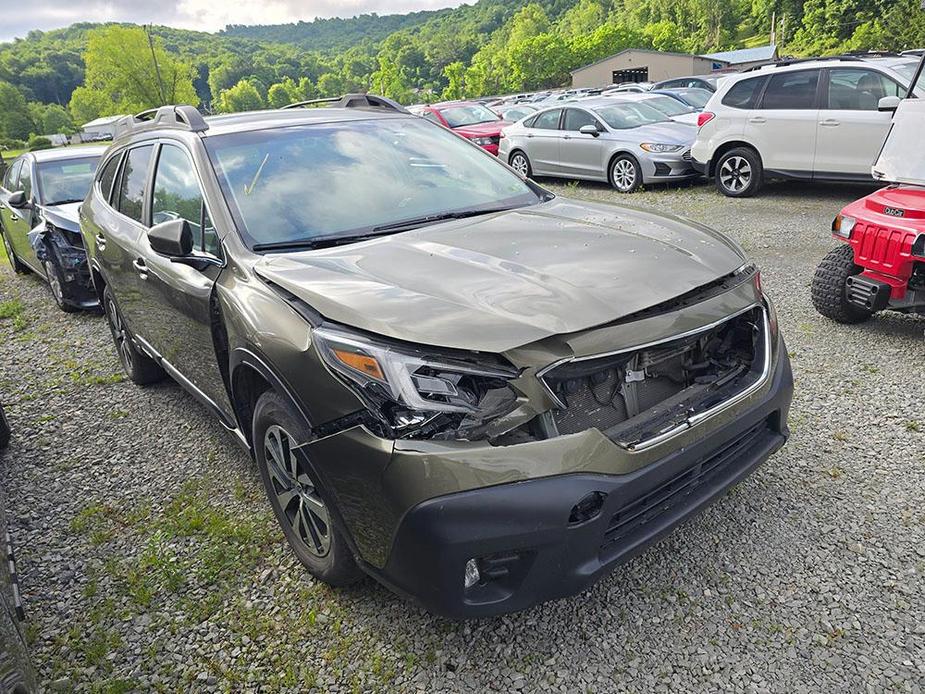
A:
(11, 309)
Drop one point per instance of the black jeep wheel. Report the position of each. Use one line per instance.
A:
(828, 288)
(140, 368)
(301, 505)
(56, 285)
(739, 173)
(18, 267)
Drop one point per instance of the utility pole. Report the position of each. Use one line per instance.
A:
(157, 69)
(774, 28)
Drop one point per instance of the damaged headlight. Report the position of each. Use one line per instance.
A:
(419, 392)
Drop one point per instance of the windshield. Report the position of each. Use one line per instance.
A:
(66, 180)
(458, 116)
(697, 97)
(906, 70)
(343, 179)
(668, 105)
(630, 115)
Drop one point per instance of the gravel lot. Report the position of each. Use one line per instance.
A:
(149, 558)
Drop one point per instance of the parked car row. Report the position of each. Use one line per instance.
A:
(459, 382)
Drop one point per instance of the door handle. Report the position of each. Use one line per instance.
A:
(829, 123)
(529, 134)
(757, 119)
(566, 137)
(140, 266)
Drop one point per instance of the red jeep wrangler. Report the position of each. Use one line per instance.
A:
(881, 264)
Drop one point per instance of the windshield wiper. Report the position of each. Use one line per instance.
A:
(310, 244)
(63, 202)
(441, 217)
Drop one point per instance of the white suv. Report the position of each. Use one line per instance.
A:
(808, 120)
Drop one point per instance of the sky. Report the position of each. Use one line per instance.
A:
(16, 19)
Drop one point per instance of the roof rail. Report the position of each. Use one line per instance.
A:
(368, 101)
(844, 57)
(182, 116)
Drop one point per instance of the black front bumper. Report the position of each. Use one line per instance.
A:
(530, 543)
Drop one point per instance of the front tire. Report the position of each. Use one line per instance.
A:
(625, 174)
(56, 285)
(521, 164)
(739, 173)
(828, 287)
(301, 506)
(140, 368)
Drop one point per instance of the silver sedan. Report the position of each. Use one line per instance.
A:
(622, 141)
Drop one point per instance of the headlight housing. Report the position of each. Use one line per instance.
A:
(481, 141)
(418, 392)
(657, 148)
(843, 225)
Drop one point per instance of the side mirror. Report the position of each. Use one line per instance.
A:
(173, 239)
(888, 103)
(589, 130)
(18, 200)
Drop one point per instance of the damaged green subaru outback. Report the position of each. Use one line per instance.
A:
(481, 394)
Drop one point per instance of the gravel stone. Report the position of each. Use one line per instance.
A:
(806, 577)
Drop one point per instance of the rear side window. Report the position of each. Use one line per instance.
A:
(177, 195)
(130, 201)
(548, 120)
(857, 89)
(791, 90)
(108, 175)
(744, 94)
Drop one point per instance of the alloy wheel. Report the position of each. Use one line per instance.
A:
(54, 282)
(120, 335)
(520, 165)
(735, 174)
(296, 492)
(624, 174)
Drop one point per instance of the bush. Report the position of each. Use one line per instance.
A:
(7, 143)
(37, 142)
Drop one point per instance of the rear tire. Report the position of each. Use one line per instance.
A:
(301, 506)
(828, 287)
(521, 163)
(140, 368)
(18, 267)
(625, 174)
(739, 173)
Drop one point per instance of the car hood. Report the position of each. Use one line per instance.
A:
(500, 281)
(482, 129)
(668, 132)
(63, 216)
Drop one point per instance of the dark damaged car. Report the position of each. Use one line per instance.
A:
(39, 199)
(481, 394)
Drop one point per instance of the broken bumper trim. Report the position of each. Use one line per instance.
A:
(520, 532)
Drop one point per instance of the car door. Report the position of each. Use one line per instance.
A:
(542, 138)
(9, 187)
(123, 236)
(850, 128)
(179, 325)
(783, 125)
(581, 154)
(21, 220)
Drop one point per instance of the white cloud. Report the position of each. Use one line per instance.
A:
(202, 15)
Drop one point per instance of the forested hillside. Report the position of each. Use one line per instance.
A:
(50, 81)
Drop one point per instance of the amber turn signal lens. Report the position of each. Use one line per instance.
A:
(361, 362)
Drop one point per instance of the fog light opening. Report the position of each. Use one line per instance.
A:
(472, 576)
(587, 508)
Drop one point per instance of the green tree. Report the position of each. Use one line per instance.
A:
(15, 119)
(244, 96)
(135, 71)
(88, 104)
(456, 81)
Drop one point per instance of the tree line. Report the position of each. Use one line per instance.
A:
(54, 81)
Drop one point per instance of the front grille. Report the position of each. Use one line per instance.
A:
(630, 393)
(671, 494)
(883, 249)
